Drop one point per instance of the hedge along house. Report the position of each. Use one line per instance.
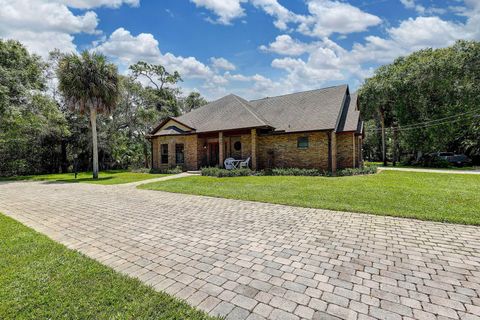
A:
(314, 129)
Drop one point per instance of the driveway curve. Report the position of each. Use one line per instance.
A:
(250, 260)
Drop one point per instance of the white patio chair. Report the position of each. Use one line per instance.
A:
(244, 164)
(228, 163)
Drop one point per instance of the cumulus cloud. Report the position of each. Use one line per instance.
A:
(329, 17)
(127, 49)
(43, 26)
(222, 64)
(89, 4)
(226, 10)
(326, 61)
(324, 17)
(286, 45)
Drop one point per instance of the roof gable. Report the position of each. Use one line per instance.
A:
(171, 123)
(227, 113)
(350, 120)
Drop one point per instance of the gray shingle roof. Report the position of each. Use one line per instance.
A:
(351, 116)
(229, 112)
(322, 109)
(303, 111)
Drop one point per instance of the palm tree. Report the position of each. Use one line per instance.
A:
(89, 83)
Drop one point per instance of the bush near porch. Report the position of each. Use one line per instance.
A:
(219, 172)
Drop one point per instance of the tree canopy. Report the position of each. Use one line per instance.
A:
(40, 133)
(430, 98)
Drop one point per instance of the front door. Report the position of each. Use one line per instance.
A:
(213, 151)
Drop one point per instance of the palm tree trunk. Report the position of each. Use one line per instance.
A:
(384, 146)
(93, 122)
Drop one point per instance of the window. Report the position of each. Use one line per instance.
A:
(237, 146)
(179, 155)
(164, 153)
(302, 142)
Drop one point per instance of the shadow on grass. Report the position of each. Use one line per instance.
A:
(76, 180)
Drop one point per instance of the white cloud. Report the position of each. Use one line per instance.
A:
(411, 4)
(285, 45)
(43, 26)
(329, 17)
(325, 16)
(222, 64)
(127, 49)
(226, 10)
(326, 61)
(89, 4)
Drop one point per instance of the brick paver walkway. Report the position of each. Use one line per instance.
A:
(251, 260)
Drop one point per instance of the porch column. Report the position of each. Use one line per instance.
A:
(354, 152)
(221, 147)
(333, 151)
(254, 149)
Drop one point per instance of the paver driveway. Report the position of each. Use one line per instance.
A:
(252, 260)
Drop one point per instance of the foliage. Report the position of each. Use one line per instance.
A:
(176, 170)
(39, 133)
(42, 279)
(295, 172)
(431, 96)
(88, 82)
(357, 171)
(426, 196)
(318, 172)
(31, 124)
(163, 93)
(193, 101)
(219, 172)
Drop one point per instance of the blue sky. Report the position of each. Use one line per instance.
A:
(253, 48)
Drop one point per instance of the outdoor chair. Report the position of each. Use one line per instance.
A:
(229, 164)
(244, 164)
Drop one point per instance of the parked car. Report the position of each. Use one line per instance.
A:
(459, 160)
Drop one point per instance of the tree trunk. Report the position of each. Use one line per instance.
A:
(64, 160)
(384, 146)
(93, 122)
(145, 154)
(395, 146)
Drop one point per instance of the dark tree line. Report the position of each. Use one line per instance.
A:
(423, 103)
(40, 132)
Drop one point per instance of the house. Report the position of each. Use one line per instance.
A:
(313, 129)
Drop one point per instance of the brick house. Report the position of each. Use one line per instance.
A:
(314, 129)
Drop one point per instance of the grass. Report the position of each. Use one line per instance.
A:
(399, 165)
(425, 196)
(41, 279)
(106, 177)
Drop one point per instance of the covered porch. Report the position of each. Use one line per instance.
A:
(215, 147)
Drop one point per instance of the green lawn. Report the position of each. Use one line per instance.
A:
(399, 165)
(106, 177)
(427, 196)
(41, 279)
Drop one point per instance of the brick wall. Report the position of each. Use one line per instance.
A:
(190, 151)
(345, 150)
(281, 151)
(278, 150)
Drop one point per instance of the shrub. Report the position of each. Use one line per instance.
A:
(356, 171)
(219, 172)
(177, 169)
(296, 172)
(319, 172)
